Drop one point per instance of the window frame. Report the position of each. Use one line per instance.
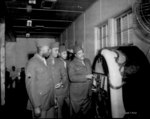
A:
(129, 14)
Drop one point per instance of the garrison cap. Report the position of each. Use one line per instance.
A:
(77, 48)
(42, 42)
(54, 45)
(62, 48)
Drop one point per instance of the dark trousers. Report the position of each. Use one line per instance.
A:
(80, 109)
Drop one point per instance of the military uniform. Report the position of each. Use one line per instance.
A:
(65, 64)
(59, 74)
(79, 85)
(39, 83)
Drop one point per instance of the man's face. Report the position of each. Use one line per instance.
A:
(54, 52)
(63, 54)
(80, 54)
(45, 51)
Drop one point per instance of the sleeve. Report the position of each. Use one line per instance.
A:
(63, 73)
(90, 65)
(74, 77)
(31, 84)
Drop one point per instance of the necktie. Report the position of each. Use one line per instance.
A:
(83, 63)
(65, 65)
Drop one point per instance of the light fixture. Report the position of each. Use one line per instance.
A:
(27, 35)
(32, 1)
(29, 23)
(29, 8)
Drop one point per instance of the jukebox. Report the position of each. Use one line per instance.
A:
(123, 73)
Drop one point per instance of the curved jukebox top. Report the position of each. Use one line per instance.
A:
(128, 74)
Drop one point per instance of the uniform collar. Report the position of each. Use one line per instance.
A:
(64, 61)
(80, 61)
(52, 60)
(42, 59)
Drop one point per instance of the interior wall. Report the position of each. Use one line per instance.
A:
(92, 19)
(71, 36)
(99, 12)
(17, 52)
(63, 37)
(10, 54)
(79, 30)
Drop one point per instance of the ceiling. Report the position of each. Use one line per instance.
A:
(49, 17)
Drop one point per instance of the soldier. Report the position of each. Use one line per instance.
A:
(63, 54)
(80, 76)
(70, 55)
(63, 58)
(59, 75)
(39, 83)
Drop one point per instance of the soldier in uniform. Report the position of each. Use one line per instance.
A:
(63, 54)
(80, 76)
(63, 58)
(59, 75)
(39, 83)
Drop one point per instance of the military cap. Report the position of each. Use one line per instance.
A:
(77, 48)
(62, 48)
(42, 42)
(54, 45)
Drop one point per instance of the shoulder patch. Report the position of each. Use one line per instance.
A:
(28, 75)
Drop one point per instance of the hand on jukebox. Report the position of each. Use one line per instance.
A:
(94, 83)
(89, 76)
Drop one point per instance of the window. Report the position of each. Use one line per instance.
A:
(103, 30)
(116, 31)
(102, 36)
(123, 30)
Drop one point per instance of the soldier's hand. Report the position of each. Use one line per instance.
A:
(58, 85)
(94, 82)
(37, 112)
(89, 76)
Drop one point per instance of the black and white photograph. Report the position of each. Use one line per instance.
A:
(74, 59)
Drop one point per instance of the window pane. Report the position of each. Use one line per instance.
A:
(130, 18)
(108, 43)
(131, 32)
(100, 32)
(124, 22)
(119, 38)
(125, 37)
(104, 42)
(104, 31)
(118, 25)
(101, 37)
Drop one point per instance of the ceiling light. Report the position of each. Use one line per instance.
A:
(32, 1)
(29, 8)
(29, 23)
(27, 35)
